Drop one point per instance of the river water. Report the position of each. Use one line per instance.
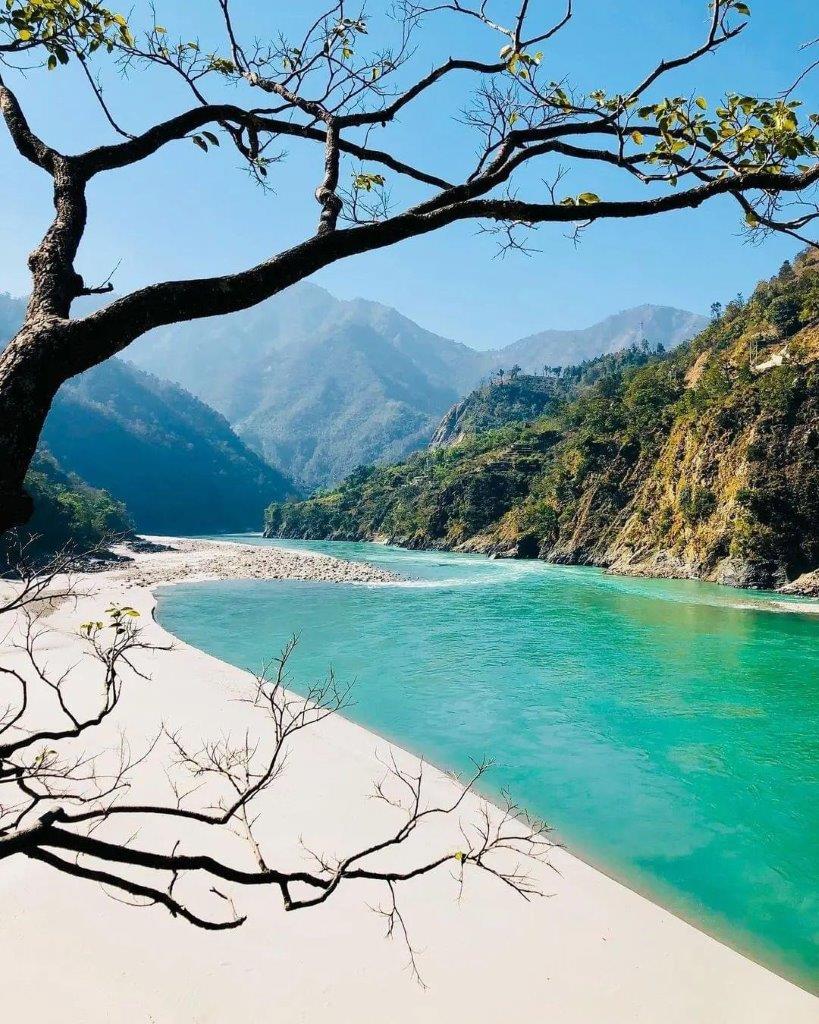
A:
(668, 730)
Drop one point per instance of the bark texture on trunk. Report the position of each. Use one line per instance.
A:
(30, 375)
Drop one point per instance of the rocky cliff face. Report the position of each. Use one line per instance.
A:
(702, 464)
(734, 495)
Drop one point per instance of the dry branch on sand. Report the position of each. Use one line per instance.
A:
(66, 803)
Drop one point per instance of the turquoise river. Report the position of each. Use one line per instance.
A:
(668, 730)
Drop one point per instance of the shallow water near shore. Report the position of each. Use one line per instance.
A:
(669, 730)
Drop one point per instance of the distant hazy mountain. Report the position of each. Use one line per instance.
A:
(656, 324)
(315, 384)
(318, 385)
(176, 463)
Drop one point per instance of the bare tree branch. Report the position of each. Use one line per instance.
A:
(58, 802)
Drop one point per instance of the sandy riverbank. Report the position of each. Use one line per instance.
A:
(593, 953)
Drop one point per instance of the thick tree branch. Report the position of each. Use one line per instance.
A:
(27, 143)
(326, 195)
(144, 892)
(389, 112)
(107, 331)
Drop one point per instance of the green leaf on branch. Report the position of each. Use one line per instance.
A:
(518, 62)
(64, 27)
(367, 182)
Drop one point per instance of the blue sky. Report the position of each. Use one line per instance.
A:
(184, 214)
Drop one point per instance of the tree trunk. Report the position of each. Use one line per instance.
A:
(29, 379)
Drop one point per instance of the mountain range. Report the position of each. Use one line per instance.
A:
(662, 325)
(698, 463)
(305, 382)
(318, 385)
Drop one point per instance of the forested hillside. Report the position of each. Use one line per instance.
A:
(68, 511)
(701, 463)
(516, 400)
(173, 461)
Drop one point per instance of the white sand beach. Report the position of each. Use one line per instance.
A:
(593, 952)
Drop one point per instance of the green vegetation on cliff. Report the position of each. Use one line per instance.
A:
(69, 511)
(702, 463)
(497, 404)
